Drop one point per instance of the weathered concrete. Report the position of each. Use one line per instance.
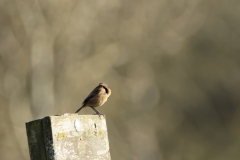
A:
(36, 140)
(68, 137)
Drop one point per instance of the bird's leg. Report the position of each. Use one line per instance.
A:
(96, 111)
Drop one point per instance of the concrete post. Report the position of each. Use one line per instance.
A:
(68, 137)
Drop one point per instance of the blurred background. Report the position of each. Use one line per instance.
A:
(173, 67)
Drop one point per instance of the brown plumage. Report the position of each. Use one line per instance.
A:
(97, 97)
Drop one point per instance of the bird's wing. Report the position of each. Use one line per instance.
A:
(94, 93)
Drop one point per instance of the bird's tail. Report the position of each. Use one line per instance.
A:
(80, 108)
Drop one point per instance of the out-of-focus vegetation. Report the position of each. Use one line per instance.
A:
(173, 67)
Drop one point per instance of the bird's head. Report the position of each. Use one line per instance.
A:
(103, 84)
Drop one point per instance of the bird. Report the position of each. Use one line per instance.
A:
(97, 97)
